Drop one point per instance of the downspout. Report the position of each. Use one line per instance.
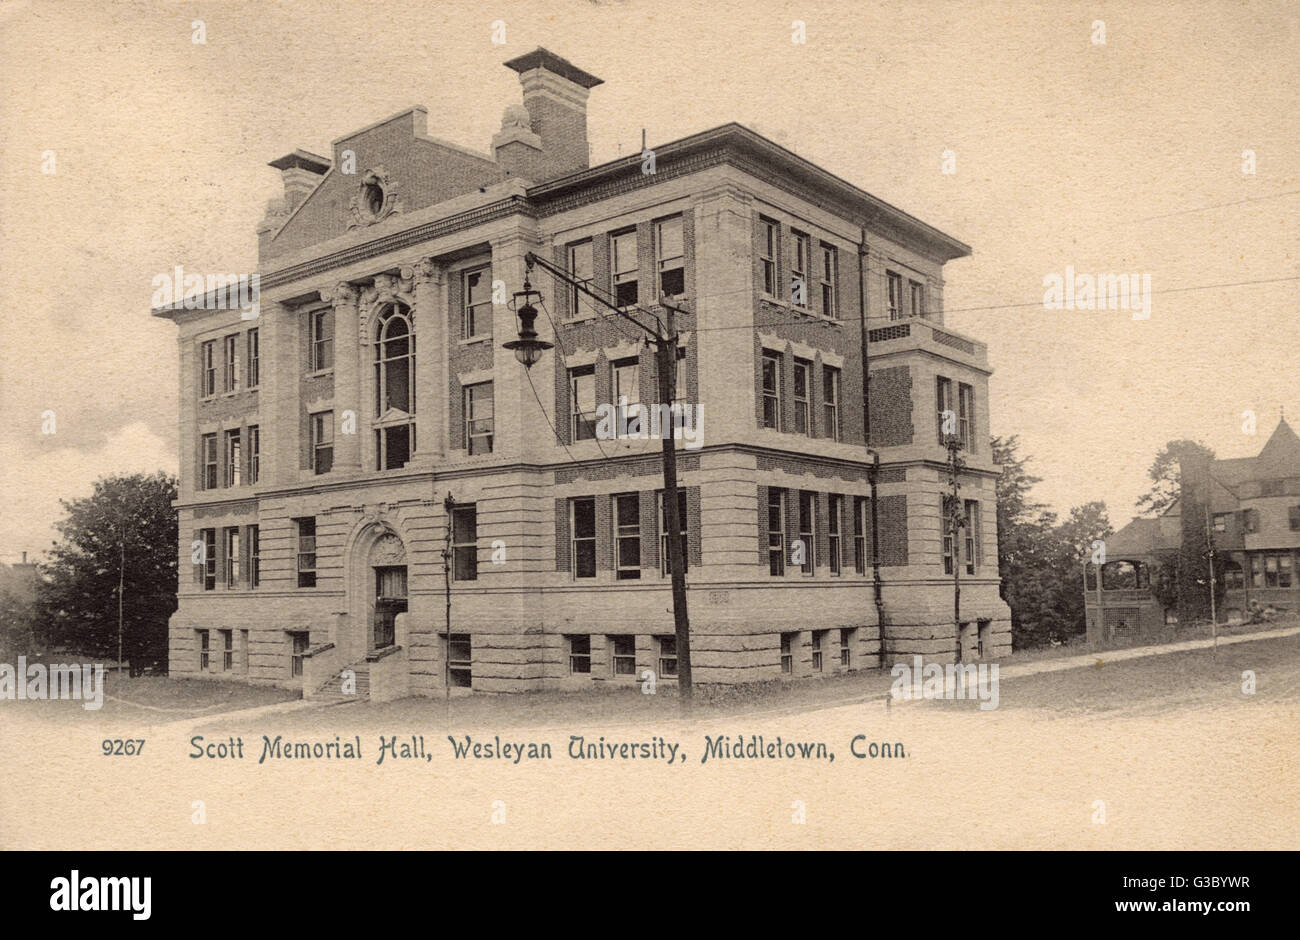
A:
(873, 471)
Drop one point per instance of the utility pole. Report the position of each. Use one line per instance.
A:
(666, 357)
(448, 505)
(1209, 540)
(528, 350)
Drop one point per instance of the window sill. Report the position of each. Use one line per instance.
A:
(320, 373)
(473, 340)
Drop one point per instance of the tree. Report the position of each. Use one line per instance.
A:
(1040, 560)
(1165, 477)
(125, 531)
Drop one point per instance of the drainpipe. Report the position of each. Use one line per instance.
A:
(873, 471)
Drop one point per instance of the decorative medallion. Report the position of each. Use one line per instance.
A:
(375, 198)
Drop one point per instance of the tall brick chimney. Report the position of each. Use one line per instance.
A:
(547, 137)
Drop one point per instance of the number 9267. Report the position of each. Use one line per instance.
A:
(122, 747)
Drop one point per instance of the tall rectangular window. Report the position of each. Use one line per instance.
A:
(322, 340)
(582, 403)
(464, 542)
(581, 266)
(667, 656)
(895, 296)
(227, 650)
(787, 653)
(627, 536)
(205, 650)
(579, 655)
(949, 537)
(828, 267)
(394, 444)
(208, 369)
(834, 522)
(624, 267)
(775, 531)
(254, 453)
(799, 269)
(582, 537)
(771, 390)
(802, 371)
(234, 458)
(459, 653)
(831, 401)
(322, 442)
(846, 646)
(808, 531)
(818, 647)
(965, 415)
(476, 300)
(623, 655)
(1273, 570)
(767, 254)
(254, 556)
(972, 535)
(306, 554)
(299, 641)
(479, 421)
(208, 457)
(670, 257)
(625, 382)
(917, 296)
(231, 540)
(945, 417)
(860, 534)
(665, 530)
(254, 359)
(209, 537)
(231, 382)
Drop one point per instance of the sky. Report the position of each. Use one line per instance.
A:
(1117, 157)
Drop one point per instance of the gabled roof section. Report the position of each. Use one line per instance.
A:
(1143, 536)
(1281, 454)
(419, 171)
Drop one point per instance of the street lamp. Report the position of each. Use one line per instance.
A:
(527, 348)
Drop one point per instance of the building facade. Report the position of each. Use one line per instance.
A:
(1248, 508)
(321, 438)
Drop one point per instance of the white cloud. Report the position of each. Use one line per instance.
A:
(36, 477)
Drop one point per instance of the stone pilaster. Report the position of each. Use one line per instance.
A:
(430, 360)
(347, 377)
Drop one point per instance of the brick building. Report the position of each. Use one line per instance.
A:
(319, 440)
(1251, 506)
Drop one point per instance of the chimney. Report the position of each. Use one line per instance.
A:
(547, 137)
(300, 172)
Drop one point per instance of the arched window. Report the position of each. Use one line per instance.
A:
(394, 387)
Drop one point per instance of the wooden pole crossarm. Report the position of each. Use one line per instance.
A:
(532, 259)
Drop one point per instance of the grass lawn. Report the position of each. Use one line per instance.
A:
(151, 700)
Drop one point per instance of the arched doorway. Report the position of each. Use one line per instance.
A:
(377, 590)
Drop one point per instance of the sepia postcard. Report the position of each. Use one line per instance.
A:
(650, 425)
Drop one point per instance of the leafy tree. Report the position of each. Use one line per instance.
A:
(126, 529)
(1040, 560)
(1164, 475)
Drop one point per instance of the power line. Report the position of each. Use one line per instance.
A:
(1222, 205)
(1037, 303)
